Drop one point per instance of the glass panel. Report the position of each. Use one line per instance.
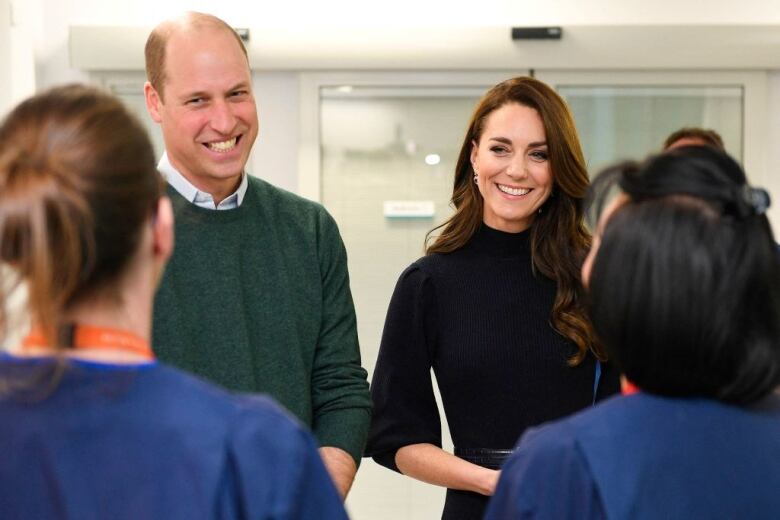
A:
(133, 97)
(629, 122)
(398, 146)
(382, 145)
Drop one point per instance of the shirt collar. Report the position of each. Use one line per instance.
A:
(196, 196)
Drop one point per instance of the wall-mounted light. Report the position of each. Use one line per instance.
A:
(432, 159)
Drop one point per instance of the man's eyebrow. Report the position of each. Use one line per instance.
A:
(195, 94)
(239, 85)
(203, 94)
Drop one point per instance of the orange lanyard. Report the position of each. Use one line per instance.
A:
(87, 337)
(629, 388)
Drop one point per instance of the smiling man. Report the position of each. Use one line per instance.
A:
(256, 296)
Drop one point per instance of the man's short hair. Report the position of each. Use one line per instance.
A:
(705, 135)
(154, 51)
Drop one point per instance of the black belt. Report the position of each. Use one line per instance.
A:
(485, 457)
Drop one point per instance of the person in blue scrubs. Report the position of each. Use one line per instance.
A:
(91, 426)
(684, 282)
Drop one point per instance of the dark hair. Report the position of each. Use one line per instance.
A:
(707, 136)
(157, 42)
(78, 181)
(559, 239)
(685, 286)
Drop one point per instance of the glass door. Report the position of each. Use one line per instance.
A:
(384, 162)
(388, 157)
(628, 115)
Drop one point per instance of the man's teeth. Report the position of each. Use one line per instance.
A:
(223, 146)
(513, 191)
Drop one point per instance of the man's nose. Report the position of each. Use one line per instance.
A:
(222, 118)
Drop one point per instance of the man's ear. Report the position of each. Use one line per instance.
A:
(153, 102)
(163, 237)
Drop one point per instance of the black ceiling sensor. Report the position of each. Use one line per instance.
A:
(537, 33)
(243, 34)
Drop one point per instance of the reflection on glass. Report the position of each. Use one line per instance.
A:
(379, 145)
(629, 122)
(387, 164)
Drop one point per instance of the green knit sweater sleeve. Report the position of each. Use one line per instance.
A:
(340, 398)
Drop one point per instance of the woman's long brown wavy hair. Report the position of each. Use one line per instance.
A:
(559, 238)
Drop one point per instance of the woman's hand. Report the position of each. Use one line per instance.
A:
(490, 481)
(433, 465)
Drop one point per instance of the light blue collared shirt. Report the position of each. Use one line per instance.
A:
(193, 194)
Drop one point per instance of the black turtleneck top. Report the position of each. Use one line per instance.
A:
(480, 318)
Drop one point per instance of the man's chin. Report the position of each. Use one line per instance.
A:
(223, 169)
(224, 166)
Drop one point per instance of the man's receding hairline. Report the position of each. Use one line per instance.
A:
(191, 21)
(183, 25)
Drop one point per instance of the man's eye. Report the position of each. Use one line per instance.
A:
(194, 101)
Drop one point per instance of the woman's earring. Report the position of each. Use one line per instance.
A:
(476, 175)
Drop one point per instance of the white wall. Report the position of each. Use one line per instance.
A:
(773, 144)
(5, 55)
(50, 29)
(408, 13)
(23, 15)
(275, 155)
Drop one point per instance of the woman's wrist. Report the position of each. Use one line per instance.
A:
(486, 480)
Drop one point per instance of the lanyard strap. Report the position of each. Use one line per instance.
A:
(87, 337)
(596, 379)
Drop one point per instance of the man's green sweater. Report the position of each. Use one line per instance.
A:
(257, 299)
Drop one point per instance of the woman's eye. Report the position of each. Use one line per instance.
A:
(499, 149)
(539, 155)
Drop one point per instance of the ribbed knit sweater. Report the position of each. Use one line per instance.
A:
(480, 318)
(257, 299)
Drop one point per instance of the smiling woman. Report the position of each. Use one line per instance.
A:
(511, 167)
(494, 307)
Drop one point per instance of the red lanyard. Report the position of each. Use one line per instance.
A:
(87, 337)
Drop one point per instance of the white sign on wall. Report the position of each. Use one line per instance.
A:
(408, 208)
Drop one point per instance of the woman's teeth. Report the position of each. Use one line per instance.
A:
(513, 191)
